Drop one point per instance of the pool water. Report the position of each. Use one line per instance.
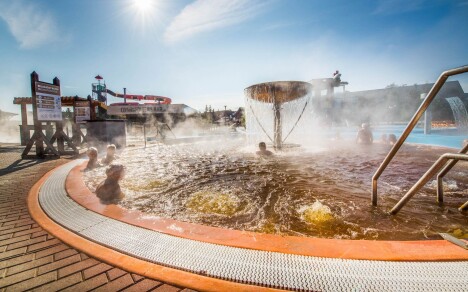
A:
(438, 137)
(320, 191)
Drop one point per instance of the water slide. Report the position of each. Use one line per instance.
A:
(160, 99)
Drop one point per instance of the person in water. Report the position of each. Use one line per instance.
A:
(92, 155)
(263, 151)
(110, 155)
(392, 139)
(109, 191)
(364, 135)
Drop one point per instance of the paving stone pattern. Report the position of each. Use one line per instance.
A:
(31, 258)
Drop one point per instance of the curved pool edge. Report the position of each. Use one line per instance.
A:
(124, 261)
(423, 250)
(224, 268)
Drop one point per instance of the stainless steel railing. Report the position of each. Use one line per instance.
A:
(414, 120)
(443, 172)
(426, 177)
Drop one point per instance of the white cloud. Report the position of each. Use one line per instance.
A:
(206, 15)
(281, 25)
(29, 24)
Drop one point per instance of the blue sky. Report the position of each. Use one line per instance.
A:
(207, 51)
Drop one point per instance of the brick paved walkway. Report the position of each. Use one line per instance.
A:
(32, 259)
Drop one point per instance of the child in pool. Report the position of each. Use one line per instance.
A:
(110, 155)
(109, 190)
(263, 150)
(92, 155)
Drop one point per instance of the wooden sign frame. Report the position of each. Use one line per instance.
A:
(38, 137)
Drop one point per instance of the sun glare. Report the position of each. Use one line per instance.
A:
(143, 6)
(145, 14)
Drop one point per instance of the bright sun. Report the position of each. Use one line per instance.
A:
(144, 13)
(143, 5)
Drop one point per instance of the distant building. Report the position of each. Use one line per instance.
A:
(136, 112)
(396, 103)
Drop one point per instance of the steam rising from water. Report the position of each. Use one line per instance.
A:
(299, 122)
(9, 132)
(306, 193)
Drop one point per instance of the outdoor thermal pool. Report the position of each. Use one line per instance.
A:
(317, 192)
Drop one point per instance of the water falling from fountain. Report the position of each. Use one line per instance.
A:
(274, 109)
(459, 113)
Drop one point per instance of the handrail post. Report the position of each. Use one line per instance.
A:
(414, 120)
(426, 177)
(443, 172)
(463, 207)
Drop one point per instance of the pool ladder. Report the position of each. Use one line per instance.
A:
(451, 158)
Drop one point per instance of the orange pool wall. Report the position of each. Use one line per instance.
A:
(422, 250)
(123, 261)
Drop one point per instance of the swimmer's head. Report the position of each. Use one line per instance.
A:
(92, 152)
(115, 171)
(111, 149)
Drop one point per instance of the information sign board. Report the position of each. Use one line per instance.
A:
(48, 102)
(82, 112)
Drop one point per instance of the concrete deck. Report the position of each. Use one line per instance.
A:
(31, 258)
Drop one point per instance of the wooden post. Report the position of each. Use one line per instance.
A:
(92, 114)
(59, 126)
(76, 137)
(24, 124)
(37, 123)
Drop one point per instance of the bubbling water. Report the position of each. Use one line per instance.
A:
(320, 192)
(213, 203)
(317, 213)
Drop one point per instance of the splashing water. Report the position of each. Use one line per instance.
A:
(213, 203)
(275, 109)
(459, 112)
(317, 213)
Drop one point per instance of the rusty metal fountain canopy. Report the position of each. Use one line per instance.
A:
(279, 91)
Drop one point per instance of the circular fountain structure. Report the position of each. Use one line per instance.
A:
(274, 95)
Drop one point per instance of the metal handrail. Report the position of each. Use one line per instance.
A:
(443, 172)
(414, 120)
(426, 177)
